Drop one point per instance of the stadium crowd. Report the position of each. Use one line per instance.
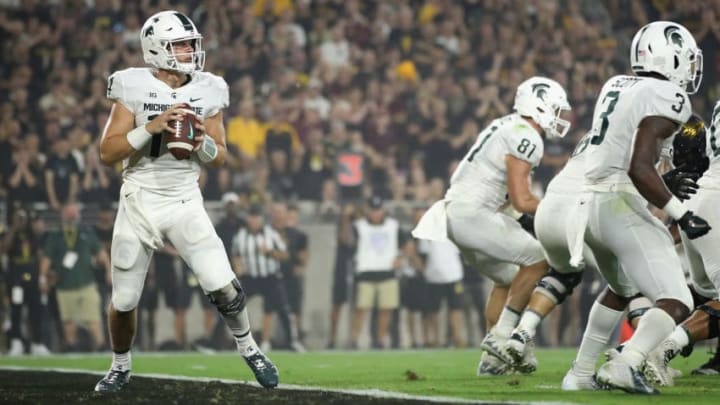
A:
(331, 100)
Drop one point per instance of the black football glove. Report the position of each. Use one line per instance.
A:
(693, 225)
(528, 223)
(682, 184)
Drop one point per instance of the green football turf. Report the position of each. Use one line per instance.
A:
(441, 372)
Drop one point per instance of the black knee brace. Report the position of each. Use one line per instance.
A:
(558, 286)
(712, 308)
(228, 303)
(636, 313)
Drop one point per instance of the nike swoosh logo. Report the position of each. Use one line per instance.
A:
(192, 100)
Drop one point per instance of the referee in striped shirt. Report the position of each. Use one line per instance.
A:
(257, 252)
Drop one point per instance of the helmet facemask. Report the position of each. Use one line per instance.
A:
(173, 59)
(695, 71)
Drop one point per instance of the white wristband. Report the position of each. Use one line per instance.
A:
(208, 151)
(138, 137)
(675, 208)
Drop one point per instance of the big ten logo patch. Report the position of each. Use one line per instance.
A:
(350, 169)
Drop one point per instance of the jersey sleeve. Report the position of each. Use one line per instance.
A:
(222, 95)
(669, 101)
(117, 90)
(524, 143)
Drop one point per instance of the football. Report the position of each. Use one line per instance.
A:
(180, 141)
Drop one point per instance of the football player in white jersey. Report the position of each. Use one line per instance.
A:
(497, 168)
(160, 197)
(551, 223)
(634, 116)
(704, 263)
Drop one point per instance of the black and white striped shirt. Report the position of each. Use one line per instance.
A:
(245, 245)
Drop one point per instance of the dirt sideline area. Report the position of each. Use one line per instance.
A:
(47, 387)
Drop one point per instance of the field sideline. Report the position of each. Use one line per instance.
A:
(445, 373)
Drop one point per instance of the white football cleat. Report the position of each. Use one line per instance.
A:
(575, 382)
(621, 375)
(495, 346)
(520, 348)
(16, 348)
(656, 367)
(490, 365)
(39, 349)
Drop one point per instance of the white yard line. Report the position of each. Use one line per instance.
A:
(375, 393)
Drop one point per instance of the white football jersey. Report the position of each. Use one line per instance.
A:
(481, 177)
(153, 167)
(623, 103)
(571, 178)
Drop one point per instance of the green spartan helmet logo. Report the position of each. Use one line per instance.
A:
(540, 90)
(672, 35)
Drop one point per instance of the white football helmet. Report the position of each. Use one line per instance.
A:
(543, 100)
(669, 49)
(160, 31)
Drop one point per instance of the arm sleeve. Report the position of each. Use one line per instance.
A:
(524, 143)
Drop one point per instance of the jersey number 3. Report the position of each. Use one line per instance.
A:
(613, 96)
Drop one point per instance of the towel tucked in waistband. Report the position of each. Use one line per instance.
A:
(148, 234)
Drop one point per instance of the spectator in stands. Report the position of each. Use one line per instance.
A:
(246, 132)
(284, 221)
(24, 183)
(67, 259)
(62, 175)
(376, 239)
(99, 184)
(413, 288)
(103, 228)
(443, 271)
(22, 247)
(342, 272)
(231, 221)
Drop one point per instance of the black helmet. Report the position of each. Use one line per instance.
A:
(689, 146)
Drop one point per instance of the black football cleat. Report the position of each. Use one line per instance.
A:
(265, 371)
(113, 381)
(711, 367)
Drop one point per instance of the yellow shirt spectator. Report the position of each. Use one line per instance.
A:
(260, 7)
(246, 132)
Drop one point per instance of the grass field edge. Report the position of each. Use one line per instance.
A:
(374, 393)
